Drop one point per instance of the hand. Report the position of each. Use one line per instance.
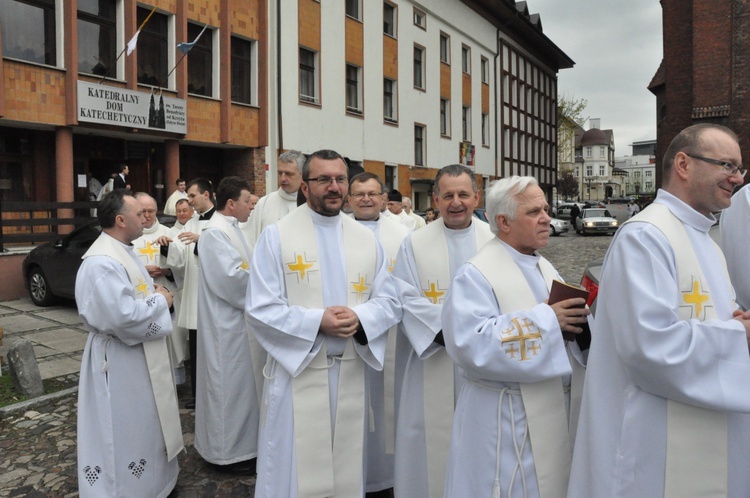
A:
(156, 272)
(339, 321)
(165, 292)
(569, 313)
(188, 237)
(163, 240)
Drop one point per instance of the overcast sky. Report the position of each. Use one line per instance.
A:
(617, 47)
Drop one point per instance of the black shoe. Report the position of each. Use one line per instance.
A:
(190, 404)
(385, 493)
(244, 468)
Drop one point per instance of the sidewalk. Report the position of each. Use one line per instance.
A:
(38, 443)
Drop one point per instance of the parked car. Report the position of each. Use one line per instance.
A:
(49, 270)
(562, 211)
(596, 220)
(557, 227)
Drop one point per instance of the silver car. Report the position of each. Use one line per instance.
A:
(596, 220)
(557, 227)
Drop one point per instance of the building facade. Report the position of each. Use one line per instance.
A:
(703, 74)
(76, 102)
(595, 165)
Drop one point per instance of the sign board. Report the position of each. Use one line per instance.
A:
(130, 109)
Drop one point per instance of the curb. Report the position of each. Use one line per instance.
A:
(23, 406)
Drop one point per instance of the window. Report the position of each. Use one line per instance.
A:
(389, 19)
(589, 152)
(485, 129)
(200, 61)
(485, 70)
(389, 100)
(445, 117)
(589, 171)
(152, 49)
(353, 9)
(648, 173)
(420, 18)
(577, 172)
(419, 67)
(649, 186)
(308, 75)
(466, 59)
(353, 89)
(390, 177)
(602, 169)
(466, 123)
(602, 152)
(29, 30)
(445, 48)
(419, 150)
(97, 37)
(243, 70)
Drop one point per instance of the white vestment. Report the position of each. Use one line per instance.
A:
(735, 241)
(419, 222)
(291, 336)
(642, 356)
(406, 220)
(121, 448)
(170, 206)
(269, 209)
(226, 404)
(416, 345)
(381, 383)
(181, 258)
(496, 351)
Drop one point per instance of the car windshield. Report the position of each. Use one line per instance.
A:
(597, 213)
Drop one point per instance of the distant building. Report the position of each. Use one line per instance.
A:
(641, 175)
(595, 166)
(702, 76)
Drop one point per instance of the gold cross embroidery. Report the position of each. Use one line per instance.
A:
(142, 287)
(521, 337)
(244, 265)
(360, 287)
(300, 267)
(148, 250)
(695, 298)
(433, 294)
(391, 263)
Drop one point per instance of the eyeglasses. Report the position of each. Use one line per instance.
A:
(325, 181)
(149, 211)
(730, 168)
(362, 195)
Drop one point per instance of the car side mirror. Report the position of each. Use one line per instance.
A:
(58, 244)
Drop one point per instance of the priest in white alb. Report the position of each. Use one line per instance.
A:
(427, 383)
(367, 199)
(227, 402)
(666, 405)
(129, 431)
(510, 432)
(320, 300)
(735, 241)
(274, 206)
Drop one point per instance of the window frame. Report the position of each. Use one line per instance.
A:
(394, 19)
(314, 74)
(422, 63)
(393, 119)
(51, 34)
(165, 40)
(356, 3)
(357, 108)
(485, 65)
(114, 28)
(485, 129)
(445, 117)
(420, 145)
(206, 47)
(466, 123)
(251, 72)
(420, 18)
(445, 48)
(465, 59)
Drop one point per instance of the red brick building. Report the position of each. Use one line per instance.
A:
(703, 76)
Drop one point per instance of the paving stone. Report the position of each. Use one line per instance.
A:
(67, 316)
(64, 366)
(24, 304)
(60, 340)
(14, 324)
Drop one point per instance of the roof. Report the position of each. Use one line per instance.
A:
(594, 136)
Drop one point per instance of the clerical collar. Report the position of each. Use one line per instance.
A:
(684, 212)
(230, 219)
(153, 228)
(286, 196)
(527, 260)
(207, 215)
(458, 232)
(330, 221)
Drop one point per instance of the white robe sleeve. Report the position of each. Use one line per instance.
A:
(699, 363)
(216, 252)
(421, 318)
(473, 325)
(735, 240)
(102, 281)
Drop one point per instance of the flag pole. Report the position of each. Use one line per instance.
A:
(126, 45)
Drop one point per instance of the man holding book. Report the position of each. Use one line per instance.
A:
(510, 430)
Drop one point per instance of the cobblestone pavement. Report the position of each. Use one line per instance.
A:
(37, 445)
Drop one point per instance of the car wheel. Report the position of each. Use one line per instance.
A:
(39, 290)
(552, 231)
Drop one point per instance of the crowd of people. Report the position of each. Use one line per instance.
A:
(373, 352)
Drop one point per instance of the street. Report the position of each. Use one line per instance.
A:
(37, 444)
